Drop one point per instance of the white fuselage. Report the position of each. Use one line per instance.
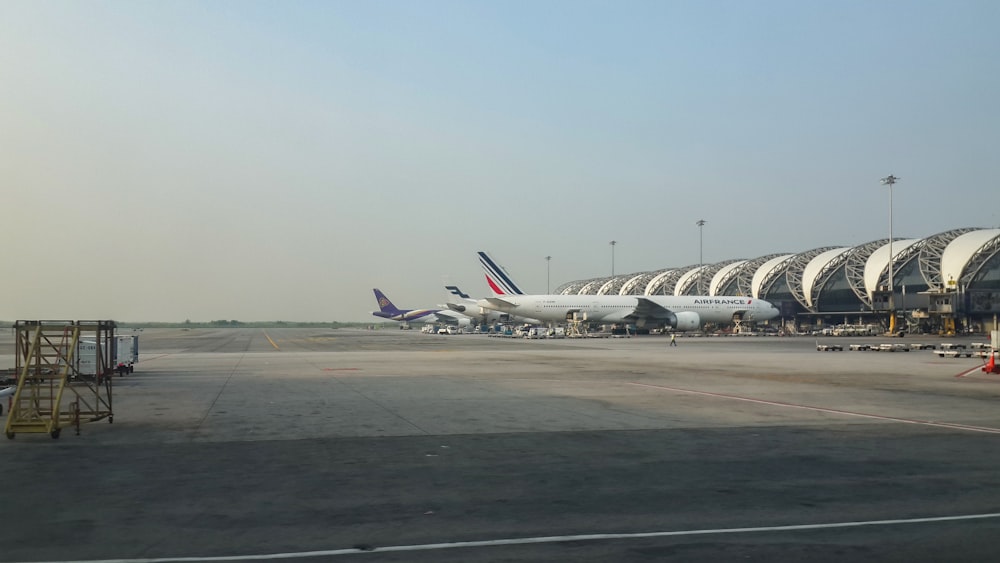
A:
(632, 308)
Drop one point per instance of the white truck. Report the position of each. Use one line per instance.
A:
(126, 353)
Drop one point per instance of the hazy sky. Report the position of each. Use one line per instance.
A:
(248, 160)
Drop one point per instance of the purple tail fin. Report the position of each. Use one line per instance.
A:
(384, 304)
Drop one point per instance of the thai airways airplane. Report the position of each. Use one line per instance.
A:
(680, 312)
(389, 311)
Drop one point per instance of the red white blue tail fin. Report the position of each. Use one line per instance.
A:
(497, 278)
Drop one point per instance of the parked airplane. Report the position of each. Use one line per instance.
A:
(460, 302)
(680, 312)
(389, 311)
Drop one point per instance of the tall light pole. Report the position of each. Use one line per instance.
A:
(889, 181)
(700, 223)
(701, 259)
(613, 243)
(548, 272)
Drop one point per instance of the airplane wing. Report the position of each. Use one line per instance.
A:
(457, 307)
(462, 305)
(500, 302)
(648, 309)
(451, 317)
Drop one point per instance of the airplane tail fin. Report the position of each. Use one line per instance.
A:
(496, 277)
(454, 290)
(456, 295)
(384, 304)
(458, 300)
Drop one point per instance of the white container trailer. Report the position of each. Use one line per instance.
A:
(86, 358)
(126, 353)
(92, 358)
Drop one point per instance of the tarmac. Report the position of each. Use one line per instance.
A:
(388, 445)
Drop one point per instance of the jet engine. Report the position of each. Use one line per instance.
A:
(685, 320)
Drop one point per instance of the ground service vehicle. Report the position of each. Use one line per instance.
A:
(126, 353)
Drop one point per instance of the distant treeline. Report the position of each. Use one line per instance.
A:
(230, 323)
(244, 324)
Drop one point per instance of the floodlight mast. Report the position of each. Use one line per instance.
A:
(889, 181)
(701, 259)
(613, 243)
(548, 274)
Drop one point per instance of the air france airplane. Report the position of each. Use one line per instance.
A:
(679, 312)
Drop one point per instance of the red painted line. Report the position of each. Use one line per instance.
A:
(826, 410)
(970, 371)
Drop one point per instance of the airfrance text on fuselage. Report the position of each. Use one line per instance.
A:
(720, 301)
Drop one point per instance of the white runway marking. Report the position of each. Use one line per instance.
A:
(546, 539)
(939, 424)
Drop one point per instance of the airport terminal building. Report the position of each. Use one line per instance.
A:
(942, 283)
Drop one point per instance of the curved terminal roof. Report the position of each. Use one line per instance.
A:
(655, 284)
(931, 250)
(592, 287)
(766, 272)
(877, 264)
(977, 269)
(722, 275)
(666, 283)
(743, 276)
(795, 269)
(687, 279)
(960, 254)
(635, 282)
(572, 288)
(815, 267)
(854, 269)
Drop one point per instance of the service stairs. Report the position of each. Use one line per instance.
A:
(50, 393)
(36, 405)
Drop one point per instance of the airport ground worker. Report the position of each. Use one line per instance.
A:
(673, 339)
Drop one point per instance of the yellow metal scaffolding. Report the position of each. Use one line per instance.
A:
(54, 357)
